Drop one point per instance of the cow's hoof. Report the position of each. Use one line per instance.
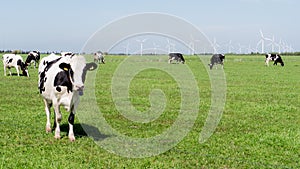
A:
(57, 137)
(72, 139)
(48, 129)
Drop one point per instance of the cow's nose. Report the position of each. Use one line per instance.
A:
(79, 88)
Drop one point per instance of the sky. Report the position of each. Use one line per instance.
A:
(66, 25)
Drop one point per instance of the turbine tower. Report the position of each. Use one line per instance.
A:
(126, 47)
(230, 47)
(272, 44)
(192, 45)
(240, 48)
(141, 43)
(279, 45)
(215, 45)
(262, 41)
(155, 48)
(168, 46)
(191, 48)
(249, 49)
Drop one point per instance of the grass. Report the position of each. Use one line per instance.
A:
(259, 127)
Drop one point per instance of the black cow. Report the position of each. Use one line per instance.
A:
(33, 56)
(217, 59)
(176, 56)
(276, 58)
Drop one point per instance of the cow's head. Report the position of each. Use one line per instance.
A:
(29, 59)
(182, 60)
(23, 67)
(222, 57)
(76, 70)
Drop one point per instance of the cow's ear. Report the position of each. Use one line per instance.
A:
(91, 66)
(65, 66)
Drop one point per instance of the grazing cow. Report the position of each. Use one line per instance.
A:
(276, 58)
(176, 56)
(12, 60)
(67, 53)
(33, 56)
(61, 82)
(217, 59)
(99, 58)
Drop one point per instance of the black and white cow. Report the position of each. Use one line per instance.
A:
(276, 58)
(33, 56)
(217, 59)
(12, 60)
(98, 57)
(61, 82)
(176, 56)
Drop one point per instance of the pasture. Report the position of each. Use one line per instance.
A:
(259, 127)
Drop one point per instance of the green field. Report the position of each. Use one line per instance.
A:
(259, 127)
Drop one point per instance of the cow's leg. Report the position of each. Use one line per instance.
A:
(57, 119)
(9, 69)
(267, 62)
(48, 115)
(4, 70)
(71, 124)
(18, 70)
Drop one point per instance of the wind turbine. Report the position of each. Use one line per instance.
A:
(289, 48)
(272, 43)
(215, 45)
(284, 46)
(191, 48)
(126, 47)
(230, 47)
(192, 44)
(262, 41)
(155, 48)
(279, 45)
(292, 49)
(249, 49)
(141, 43)
(240, 48)
(168, 46)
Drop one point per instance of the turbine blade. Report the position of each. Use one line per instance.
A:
(261, 33)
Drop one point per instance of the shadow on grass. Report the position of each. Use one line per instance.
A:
(84, 130)
(15, 74)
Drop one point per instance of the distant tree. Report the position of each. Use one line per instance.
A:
(17, 51)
